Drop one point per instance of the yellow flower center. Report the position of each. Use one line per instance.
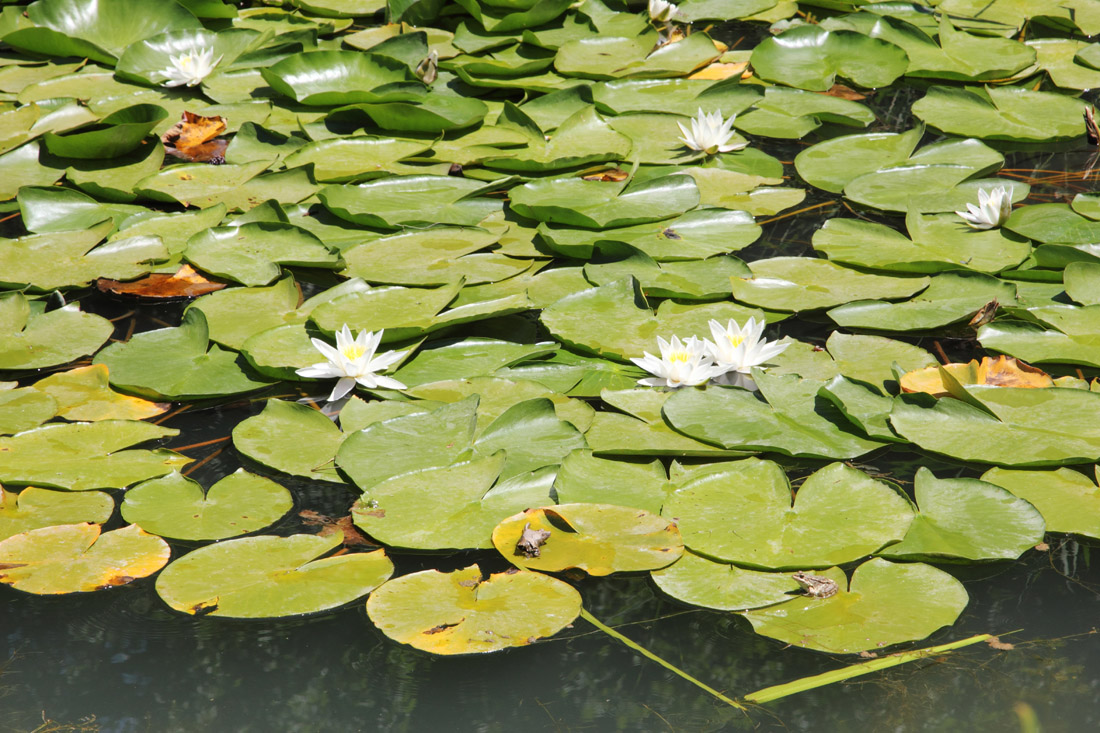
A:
(736, 341)
(682, 356)
(352, 352)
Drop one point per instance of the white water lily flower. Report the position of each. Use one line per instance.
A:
(353, 360)
(190, 68)
(662, 11)
(992, 210)
(710, 134)
(681, 364)
(737, 349)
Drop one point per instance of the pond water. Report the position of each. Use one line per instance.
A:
(120, 660)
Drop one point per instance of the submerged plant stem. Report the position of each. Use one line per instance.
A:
(776, 692)
(667, 665)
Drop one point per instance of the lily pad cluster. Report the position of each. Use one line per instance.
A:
(508, 195)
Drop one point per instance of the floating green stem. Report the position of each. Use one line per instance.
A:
(776, 692)
(667, 665)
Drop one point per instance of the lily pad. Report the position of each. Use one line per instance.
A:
(1002, 113)
(1017, 426)
(33, 337)
(84, 393)
(79, 558)
(810, 57)
(1068, 500)
(598, 538)
(701, 582)
(455, 507)
(270, 577)
(291, 438)
(401, 201)
(177, 507)
(176, 363)
(967, 519)
(463, 612)
(886, 603)
(82, 456)
(34, 508)
(744, 514)
(803, 283)
(602, 205)
(252, 253)
(326, 78)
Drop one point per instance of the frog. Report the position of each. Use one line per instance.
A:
(816, 586)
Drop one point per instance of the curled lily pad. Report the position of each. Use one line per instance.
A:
(463, 612)
(324, 78)
(116, 134)
(598, 538)
(744, 514)
(270, 577)
(885, 603)
(78, 558)
(34, 508)
(178, 507)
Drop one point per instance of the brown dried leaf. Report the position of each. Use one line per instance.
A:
(612, 175)
(1004, 371)
(195, 139)
(184, 283)
(996, 643)
(843, 92)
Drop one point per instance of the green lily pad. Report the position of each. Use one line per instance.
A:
(584, 478)
(409, 443)
(691, 280)
(810, 57)
(326, 78)
(356, 158)
(702, 582)
(472, 357)
(672, 96)
(116, 134)
(83, 456)
(1053, 223)
(1002, 113)
(177, 507)
(176, 363)
(793, 421)
(886, 603)
(431, 112)
(454, 507)
(1082, 280)
(967, 519)
(101, 31)
(615, 57)
(695, 235)
(802, 283)
(1068, 500)
(32, 337)
(582, 138)
(34, 508)
(863, 153)
(794, 113)
(84, 393)
(24, 408)
(270, 577)
(602, 205)
(939, 242)
(598, 538)
(1073, 340)
(744, 514)
(1007, 426)
(463, 612)
(580, 320)
(252, 253)
(952, 297)
(291, 438)
(199, 184)
(79, 558)
(871, 359)
(401, 201)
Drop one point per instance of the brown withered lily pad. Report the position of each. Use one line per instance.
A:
(185, 282)
(1004, 371)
